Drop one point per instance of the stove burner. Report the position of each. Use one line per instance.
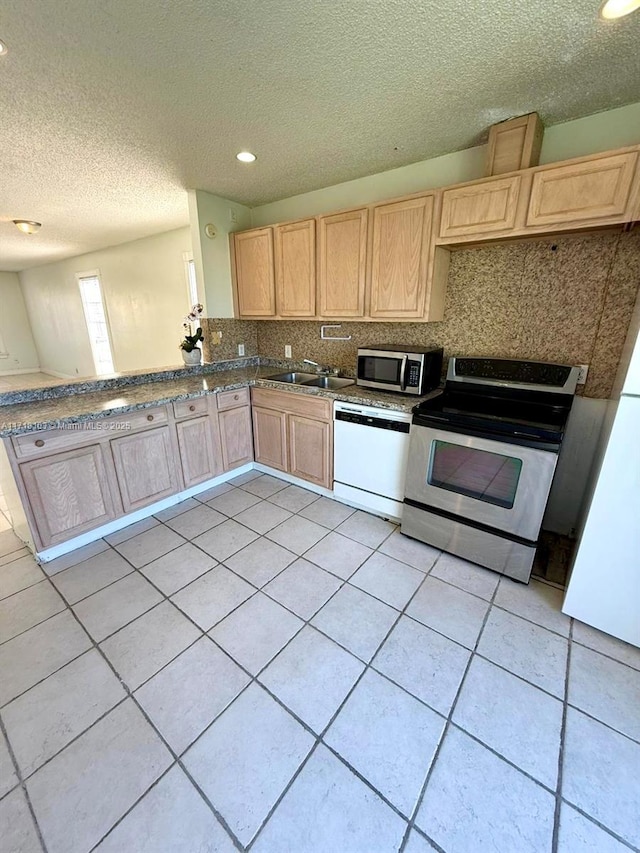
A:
(528, 402)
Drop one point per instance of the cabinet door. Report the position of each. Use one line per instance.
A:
(146, 467)
(254, 274)
(310, 450)
(197, 450)
(342, 252)
(598, 188)
(295, 252)
(236, 437)
(270, 437)
(399, 255)
(480, 208)
(69, 493)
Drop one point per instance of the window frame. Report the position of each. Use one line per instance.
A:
(95, 273)
(189, 263)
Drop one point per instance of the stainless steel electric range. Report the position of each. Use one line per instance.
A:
(482, 457)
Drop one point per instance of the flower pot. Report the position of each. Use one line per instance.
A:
(192, 357)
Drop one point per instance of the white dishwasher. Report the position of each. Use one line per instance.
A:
(370, 449)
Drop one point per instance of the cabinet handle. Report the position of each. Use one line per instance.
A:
(149, 417)
(236, 396)
(39, 442)
(192, 408)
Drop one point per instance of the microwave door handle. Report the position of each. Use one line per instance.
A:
(403, 371)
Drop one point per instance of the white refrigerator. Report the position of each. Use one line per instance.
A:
(604, 587)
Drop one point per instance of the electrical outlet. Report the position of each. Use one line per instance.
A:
(584, 371)
(240, 349)
(287, 350)
(216, 338)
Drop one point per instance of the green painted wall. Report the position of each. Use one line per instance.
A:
(599, 132)
(211, 256)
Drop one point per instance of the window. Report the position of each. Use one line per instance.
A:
(192, 283)
(193, 287)
(96, 319)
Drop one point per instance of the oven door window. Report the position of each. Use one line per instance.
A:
(489, 477)
(375, 368)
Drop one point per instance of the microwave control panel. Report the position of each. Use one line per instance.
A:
(414, 374)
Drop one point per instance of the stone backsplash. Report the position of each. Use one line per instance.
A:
(222, 336)
(567, 299)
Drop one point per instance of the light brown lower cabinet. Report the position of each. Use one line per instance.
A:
(72, 482)
(200, 451)
(146, 466)
(294, 433)
(270, 437)
(310, 449)
(68, 493)
(236, 437)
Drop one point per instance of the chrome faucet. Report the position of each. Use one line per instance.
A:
(322, 369)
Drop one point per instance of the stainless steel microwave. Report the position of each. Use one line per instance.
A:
(393, 367)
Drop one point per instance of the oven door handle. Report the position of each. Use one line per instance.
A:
(403, 371)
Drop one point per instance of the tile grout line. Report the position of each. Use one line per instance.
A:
(320, 737)
(307, 622)
(601, 826)
(130, 695)
(563, 729)
(252, 680)
(344, 582)
(22, 786)
(559, 796)
(447, 725)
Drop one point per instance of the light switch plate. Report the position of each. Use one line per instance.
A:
(287, 350)
(584, 372)
(240, 349)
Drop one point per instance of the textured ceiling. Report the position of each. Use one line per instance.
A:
(110, 109)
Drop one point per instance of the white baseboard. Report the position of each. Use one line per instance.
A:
(20, 370)
(295, 481)
(345, 494)
(100, 532)
(57, 374)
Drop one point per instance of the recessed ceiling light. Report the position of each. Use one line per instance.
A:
(27, 226)
(248, 157)
(612, 9)
(3, 48)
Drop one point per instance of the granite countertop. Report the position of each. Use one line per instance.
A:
(77, 406)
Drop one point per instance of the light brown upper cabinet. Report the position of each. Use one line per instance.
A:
(596, 188)
(342, 256)
(400, 245)
(252, 260)
(295, 265)
(480, 208)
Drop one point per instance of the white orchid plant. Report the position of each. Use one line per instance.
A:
(191, 341)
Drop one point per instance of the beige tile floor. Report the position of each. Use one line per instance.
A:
(264, 669)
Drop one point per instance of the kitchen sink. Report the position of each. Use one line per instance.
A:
(330, 382)
(292, 378)
(311, 380)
